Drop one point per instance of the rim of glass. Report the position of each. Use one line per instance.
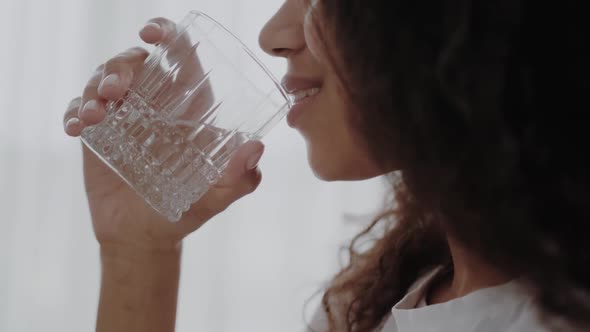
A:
(246, 49)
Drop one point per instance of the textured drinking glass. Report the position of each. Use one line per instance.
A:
(201, 94)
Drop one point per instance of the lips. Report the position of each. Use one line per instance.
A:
(294, 85)
(301, 91)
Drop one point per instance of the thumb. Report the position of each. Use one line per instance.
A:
(241, 177)
(242, 164)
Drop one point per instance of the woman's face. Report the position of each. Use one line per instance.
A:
(321, 111)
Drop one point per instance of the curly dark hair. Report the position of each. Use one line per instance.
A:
(481, 104)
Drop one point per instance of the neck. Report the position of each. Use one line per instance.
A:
(469, 274)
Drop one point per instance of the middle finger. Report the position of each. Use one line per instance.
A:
(92, 107)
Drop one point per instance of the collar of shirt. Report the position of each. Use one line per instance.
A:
(490, 309)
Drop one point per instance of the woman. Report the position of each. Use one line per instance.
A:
(471, 107)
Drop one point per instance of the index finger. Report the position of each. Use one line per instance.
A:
(176, 60)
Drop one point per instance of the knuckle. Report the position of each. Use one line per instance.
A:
(158, 19)
(165, 23)
(90, 89)
(252, 184)
(114, 62)
(96, 74)
(71, 113)
(125, 60)
(138, 51)
(96, 77)
(74, 103)
(66, 117)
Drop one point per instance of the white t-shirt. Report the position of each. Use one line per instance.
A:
(506, 308)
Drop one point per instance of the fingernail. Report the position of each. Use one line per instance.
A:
(111, 80)
(152, 26)
(90, 106)
(72, 122)
(253, 160)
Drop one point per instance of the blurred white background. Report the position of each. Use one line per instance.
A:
(249, 269)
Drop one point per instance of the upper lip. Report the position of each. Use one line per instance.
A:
(293, 83)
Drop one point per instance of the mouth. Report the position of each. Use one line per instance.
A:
(302, 92)
(302, 100)
(301, 95)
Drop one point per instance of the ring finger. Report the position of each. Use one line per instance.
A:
(72, 124)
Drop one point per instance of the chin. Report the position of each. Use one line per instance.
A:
(323, 167)
(326, 175)
(328, 167)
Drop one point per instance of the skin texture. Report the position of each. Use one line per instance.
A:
(334, 149)
(137, 294)
(136, 242)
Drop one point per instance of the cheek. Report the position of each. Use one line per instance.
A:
(335, 158)
(334, 151)
(313, 40)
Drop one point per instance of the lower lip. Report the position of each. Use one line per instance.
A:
(298, 109)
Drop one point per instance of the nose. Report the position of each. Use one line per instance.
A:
(283, 34)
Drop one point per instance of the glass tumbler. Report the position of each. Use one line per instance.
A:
(200, 95)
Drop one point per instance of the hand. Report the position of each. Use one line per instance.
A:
(120, 217)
